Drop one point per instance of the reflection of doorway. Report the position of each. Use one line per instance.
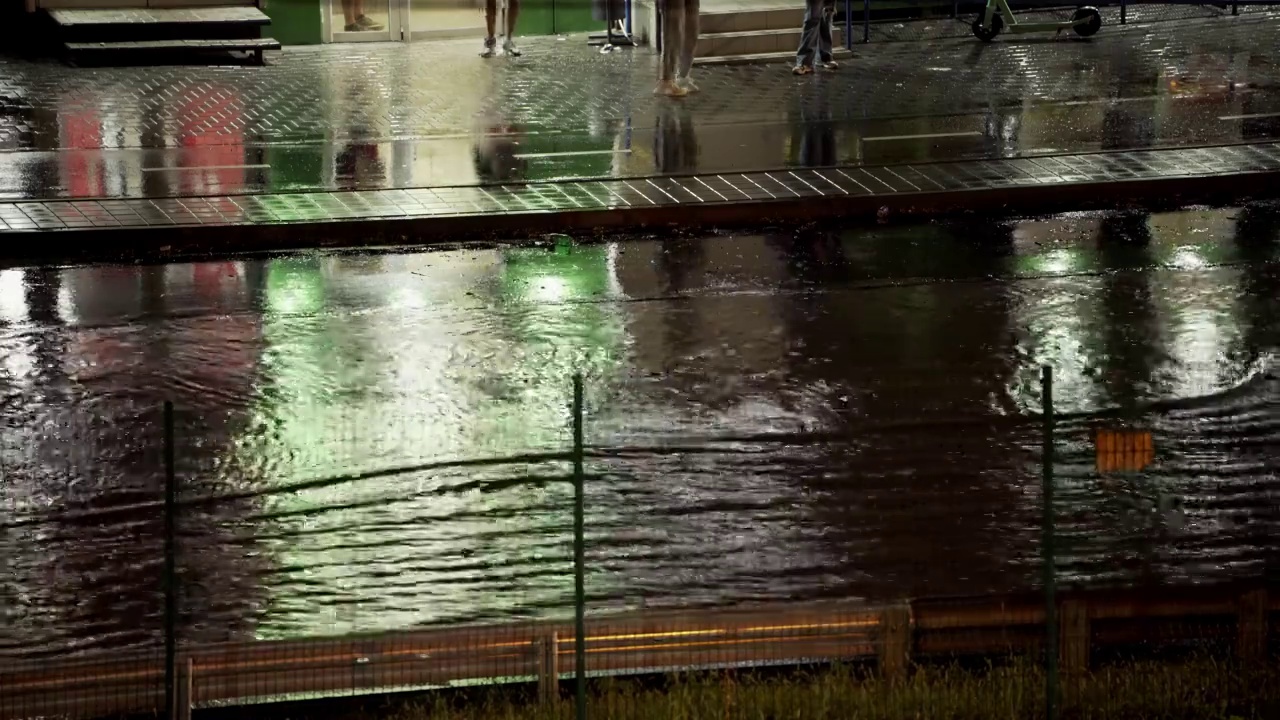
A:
(387, 20)
(450, 19)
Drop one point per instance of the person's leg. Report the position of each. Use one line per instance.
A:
(509, 44)
(672, 32)
(825, 43)
(355, 19)
(672, 22)
(808, 36)
(689, 43)
(490, 28)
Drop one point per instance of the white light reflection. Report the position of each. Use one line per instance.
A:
(1054, 320)
(13, 297)
(1198, 300)
(1200, 327)
(1184, 296)
(613, 252)
(66, 302)
(1188, 257)
(18, 359)
(548, 289)
(1058, 262)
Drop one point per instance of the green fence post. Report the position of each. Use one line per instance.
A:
(1046, 547)
(579, 556)
(170, 567)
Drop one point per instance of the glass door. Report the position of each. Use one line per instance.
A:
(364, 20)
(440, 19)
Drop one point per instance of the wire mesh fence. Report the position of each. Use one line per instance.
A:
(748, 557)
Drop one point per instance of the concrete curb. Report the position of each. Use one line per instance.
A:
(197, 241)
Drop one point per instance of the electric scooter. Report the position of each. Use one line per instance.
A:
(998, 17)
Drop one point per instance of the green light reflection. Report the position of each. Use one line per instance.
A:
(459, 357)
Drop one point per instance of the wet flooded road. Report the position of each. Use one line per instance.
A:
(843, 415)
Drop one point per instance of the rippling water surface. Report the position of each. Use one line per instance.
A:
(772, 416)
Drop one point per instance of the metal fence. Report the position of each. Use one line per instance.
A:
(157, 562)
(867, 21)
(904, 20)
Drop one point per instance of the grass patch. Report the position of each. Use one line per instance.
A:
(1191, 690)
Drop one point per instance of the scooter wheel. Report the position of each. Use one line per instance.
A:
(1086, 21)
(988, 34)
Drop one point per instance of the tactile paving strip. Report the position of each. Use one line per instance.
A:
(639, 193)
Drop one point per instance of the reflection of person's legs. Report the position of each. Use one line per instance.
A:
(354, 18)
(672, 33)
(688, 43)
(675, 145)
(508, 30)
(688, 142)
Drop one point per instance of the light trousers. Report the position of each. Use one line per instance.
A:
(819, 16)
(679, 37)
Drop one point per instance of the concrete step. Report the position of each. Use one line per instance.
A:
(766, 17)
(97, 52)
(148, 24)
(171, 45)
(755, 42)
(758, 58)
(158, 16)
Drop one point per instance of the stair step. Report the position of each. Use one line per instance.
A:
(151, 51)
(756, 18)
(760, 58)
(155, 24)
(755, 42)
(235, 15)
(138, 45)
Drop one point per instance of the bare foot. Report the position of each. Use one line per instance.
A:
(670, 89)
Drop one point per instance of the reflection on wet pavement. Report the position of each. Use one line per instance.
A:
(913, 351)
(370, 117)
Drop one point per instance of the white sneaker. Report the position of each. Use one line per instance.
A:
(509, 47)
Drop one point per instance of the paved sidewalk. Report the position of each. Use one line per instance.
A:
(413, 115)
